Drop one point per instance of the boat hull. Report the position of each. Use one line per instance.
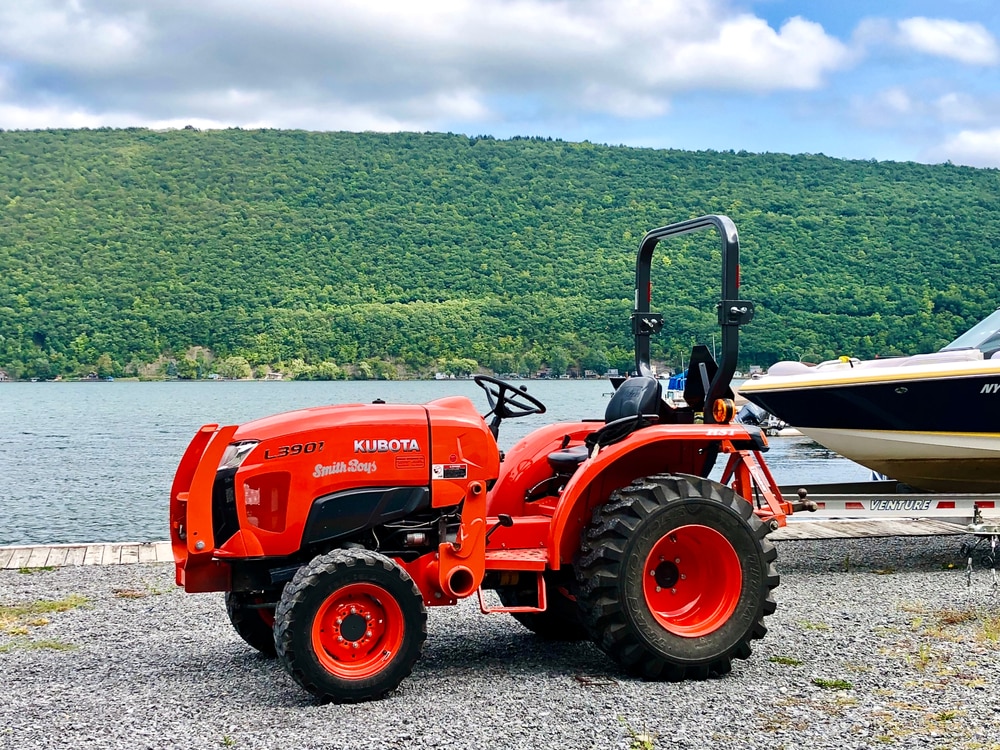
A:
(935, 428)
(934, 461)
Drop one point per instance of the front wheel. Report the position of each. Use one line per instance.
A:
(350, 626)
(675, 577)
(253, 620)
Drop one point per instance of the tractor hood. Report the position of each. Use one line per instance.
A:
(340, 417)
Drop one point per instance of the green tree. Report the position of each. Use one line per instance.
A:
(234, 368)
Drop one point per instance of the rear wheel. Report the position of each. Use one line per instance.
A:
(675, 577)
(561, 620)
(252, 620)
(350, 626)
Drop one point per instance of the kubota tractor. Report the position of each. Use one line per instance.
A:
(332, 529)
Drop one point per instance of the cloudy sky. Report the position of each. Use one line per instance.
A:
(915, 80)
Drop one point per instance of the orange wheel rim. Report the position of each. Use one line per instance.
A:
(357, 631)
(692, 581)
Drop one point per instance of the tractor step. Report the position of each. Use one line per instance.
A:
(486, 609)
(535, 558)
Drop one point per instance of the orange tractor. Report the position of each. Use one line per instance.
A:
(331, 530)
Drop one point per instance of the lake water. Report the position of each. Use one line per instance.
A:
(93, 462)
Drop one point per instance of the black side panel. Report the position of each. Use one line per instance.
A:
(344, 513)
(697, 384)
(755, 443)
(225, 522)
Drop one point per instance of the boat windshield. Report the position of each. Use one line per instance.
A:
(984, 335)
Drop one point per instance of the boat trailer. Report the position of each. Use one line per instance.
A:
(887, 500)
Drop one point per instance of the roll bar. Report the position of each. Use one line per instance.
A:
(732, 311)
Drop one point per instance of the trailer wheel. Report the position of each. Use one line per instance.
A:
(561, 620)
(675, 577)
(252, 622)
(350, 626)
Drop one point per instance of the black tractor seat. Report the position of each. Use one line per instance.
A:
(565, 460)
(639, 398)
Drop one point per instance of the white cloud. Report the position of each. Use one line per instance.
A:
(748, 54)
(961, 107)
(65, 34)
(891, 108)
(423, 65)
(14, 117)
(966, 42)
(897, 101)
(975, 148)
(969, 43)
(623, 103)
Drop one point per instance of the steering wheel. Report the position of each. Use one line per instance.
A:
(506, 401)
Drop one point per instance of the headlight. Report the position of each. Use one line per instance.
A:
(236, 453)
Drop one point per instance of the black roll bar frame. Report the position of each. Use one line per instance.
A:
(732, 311)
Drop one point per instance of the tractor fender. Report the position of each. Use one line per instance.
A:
(657, 449)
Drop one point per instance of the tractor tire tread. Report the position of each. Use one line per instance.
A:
(310, 576)
(249, 625)
(604, 547)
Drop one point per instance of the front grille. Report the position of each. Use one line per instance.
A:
(225, 521)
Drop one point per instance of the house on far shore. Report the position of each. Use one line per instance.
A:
(4, 376)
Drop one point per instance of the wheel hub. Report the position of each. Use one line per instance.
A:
(666, 574)
(357, 630)
(692, 580)
(353, 627)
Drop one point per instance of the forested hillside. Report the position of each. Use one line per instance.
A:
(385, 255)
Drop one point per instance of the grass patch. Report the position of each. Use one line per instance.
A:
(935, 622)
(956, 616)
(45, 643)
(923, 657)
(42, 607)
(15, 618)
(785, 660)
(990, 627)
(832, 684)
(806, 625)
(131, 593)
(140, 593)
(638, 740)
(30, 571)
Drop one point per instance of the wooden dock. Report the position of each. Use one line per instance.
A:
(60, 555)
(854, 528)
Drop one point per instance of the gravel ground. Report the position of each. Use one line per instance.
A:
(875, 643)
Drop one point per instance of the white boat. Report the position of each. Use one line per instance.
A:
(931, 421)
